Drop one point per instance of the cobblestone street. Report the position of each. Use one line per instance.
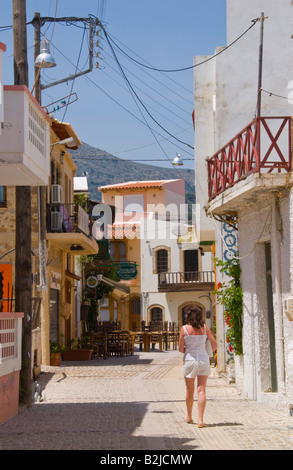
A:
(138, 403)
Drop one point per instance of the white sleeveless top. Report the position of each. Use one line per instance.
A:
(195, 346)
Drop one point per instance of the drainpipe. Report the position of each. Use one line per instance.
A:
(276, 259)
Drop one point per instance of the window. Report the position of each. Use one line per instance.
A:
(162, 261)
(118, 251)
(156, 314)
(135, 306)
(2, 196)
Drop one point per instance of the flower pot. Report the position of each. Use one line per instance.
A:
(55, 359)
(77, 355)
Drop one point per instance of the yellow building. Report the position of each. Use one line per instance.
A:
(60, 232)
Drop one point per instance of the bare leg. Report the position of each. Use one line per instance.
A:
(189, 397)
(201, 393)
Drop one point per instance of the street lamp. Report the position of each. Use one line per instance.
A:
(177, 160)
(45, 58)
(68, 141)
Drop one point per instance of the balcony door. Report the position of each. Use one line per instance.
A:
(190, 264)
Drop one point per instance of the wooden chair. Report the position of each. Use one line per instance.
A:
(124, 343)
(100, 344)
(113, 344)
(156, 338)
(139, 339)
(172, 337)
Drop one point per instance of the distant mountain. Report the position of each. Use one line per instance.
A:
(112, 170)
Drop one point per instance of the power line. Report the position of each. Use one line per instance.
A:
(156, 79)
(117, 102)
(191, 66)
(137, 97)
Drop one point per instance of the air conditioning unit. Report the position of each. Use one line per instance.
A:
(56, 221)
(56, 194)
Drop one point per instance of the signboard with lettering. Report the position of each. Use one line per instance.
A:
(126, 271)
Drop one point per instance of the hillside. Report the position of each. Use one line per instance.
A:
(111, 170)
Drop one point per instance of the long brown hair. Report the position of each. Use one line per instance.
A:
(194, 316)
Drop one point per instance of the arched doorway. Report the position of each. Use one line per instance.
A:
(182, 311)
(156, 313)
(134, 313)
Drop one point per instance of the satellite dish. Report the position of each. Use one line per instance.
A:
(180, 230)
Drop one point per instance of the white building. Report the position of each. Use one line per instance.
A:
(250, 182)
(173, 270)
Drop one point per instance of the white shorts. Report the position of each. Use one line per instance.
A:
(193, 368)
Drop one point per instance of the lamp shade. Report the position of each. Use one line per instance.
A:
(177, 160)
(45, 58)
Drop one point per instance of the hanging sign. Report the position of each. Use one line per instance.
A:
(126, 271)
(92, 281)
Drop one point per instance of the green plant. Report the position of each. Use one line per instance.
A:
(83, 200)
(55, 347)
(230, 295)
(84, 342)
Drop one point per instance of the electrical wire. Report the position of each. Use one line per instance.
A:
(134, 95)
(150, 97)
(168, 77)
(191, 66)
(137, 97)
(115, 101)
(76, 68)
(274, 94)
(160, 94)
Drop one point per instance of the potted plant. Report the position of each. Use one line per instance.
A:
(55, 353)
(81, 351)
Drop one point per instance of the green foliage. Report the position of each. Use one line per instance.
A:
(230, 295)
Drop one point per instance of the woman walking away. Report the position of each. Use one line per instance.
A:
(196, 362)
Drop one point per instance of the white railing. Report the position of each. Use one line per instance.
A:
(10, 342)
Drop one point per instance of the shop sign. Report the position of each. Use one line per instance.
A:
(126, 271)
(92, 281)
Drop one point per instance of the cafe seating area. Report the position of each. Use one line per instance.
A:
(108, 339)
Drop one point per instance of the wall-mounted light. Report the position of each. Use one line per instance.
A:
(68, 141)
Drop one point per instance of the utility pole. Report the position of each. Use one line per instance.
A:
(23, 268)
(259, 85)
(42, 189)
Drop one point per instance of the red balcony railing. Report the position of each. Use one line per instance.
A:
(263, 146)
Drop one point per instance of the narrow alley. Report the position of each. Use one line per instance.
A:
(138, 403)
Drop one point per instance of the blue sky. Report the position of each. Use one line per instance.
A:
(165, 34)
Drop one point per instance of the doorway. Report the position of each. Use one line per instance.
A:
(184, 314)
(54, 315)
(190, 265)
(271, 321)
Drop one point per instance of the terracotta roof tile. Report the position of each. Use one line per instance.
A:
(135, 185)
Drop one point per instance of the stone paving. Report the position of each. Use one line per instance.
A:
(138, 403)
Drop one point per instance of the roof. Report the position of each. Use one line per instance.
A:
(64, 130)
(136, 185)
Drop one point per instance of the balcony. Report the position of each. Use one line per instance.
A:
(259, 158)
(24, 140)
(186, 281)
(69, 228)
